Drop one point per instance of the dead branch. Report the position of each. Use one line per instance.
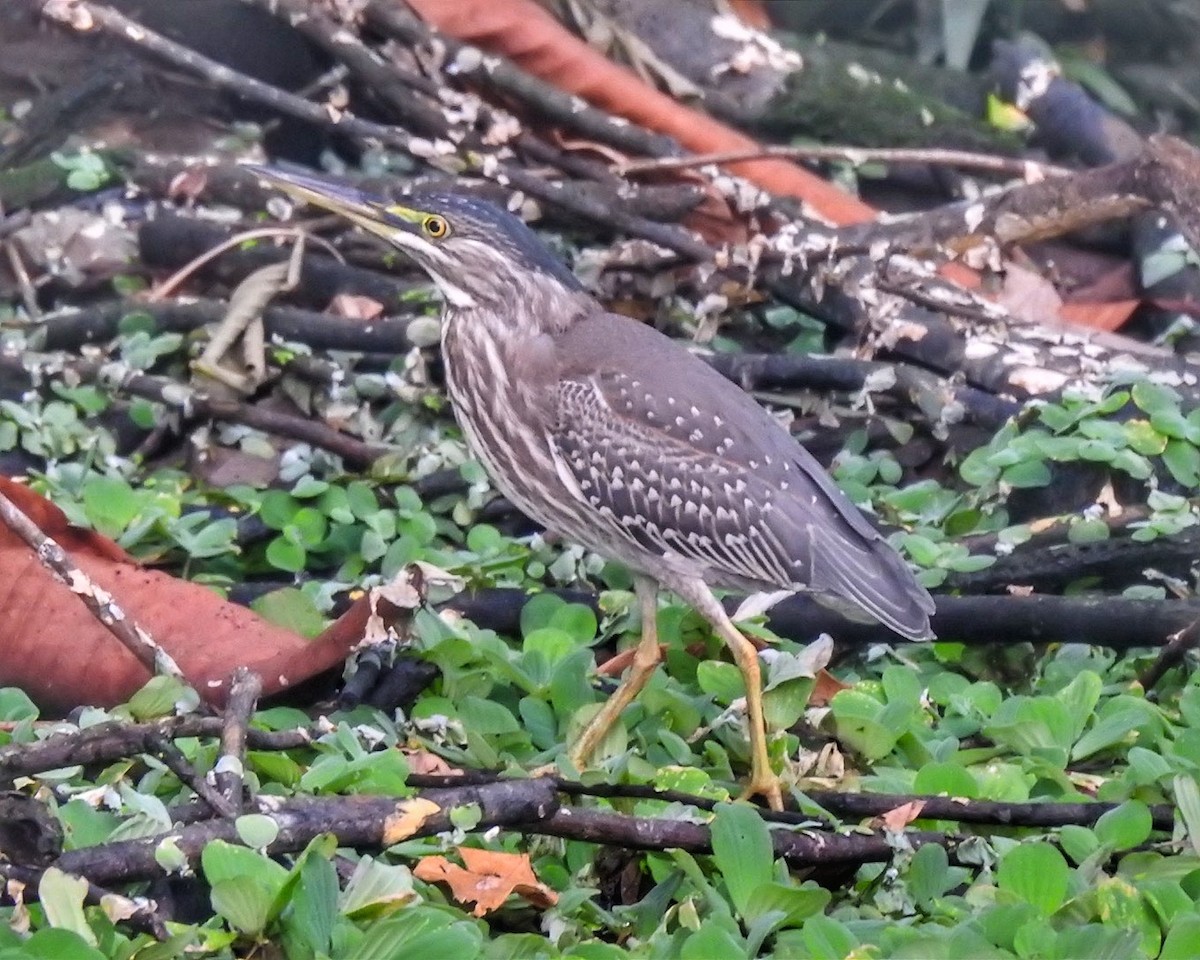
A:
(103, 606)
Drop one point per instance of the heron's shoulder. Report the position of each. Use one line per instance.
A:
(610, 344)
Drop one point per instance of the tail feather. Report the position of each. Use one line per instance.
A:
(870, 574)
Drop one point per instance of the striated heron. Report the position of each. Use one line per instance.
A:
(616, 437)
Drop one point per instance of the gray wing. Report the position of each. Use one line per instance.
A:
(684, 462)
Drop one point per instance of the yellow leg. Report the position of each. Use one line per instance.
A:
(645, 659)
(763, 780)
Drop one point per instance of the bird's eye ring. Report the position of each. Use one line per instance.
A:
(435, 227)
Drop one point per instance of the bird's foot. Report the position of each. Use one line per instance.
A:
(764, 784)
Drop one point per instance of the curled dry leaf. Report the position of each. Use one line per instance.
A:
(1099, 316)
(900, 817)
(489, 878)
(825, 689)
(617, 664)
(355, 307)
(62, 657)
(426, 764)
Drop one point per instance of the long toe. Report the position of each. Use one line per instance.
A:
(767, 786)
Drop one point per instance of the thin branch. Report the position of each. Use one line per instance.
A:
(1028, 170)
(1171, 654)
(111, 741)
(362, 822)
(101, 603)
(807, 849)
(179, 765)
(244, 689)
(196, 403)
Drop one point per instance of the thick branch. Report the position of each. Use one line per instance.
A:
(357, 821)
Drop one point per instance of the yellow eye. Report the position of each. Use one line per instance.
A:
(435, 227)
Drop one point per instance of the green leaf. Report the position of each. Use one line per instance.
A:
(375, 886)
(929, 873)
(1183, 460)
(976, 470)
(466, 816)
(712, 941)
(419, 932)
(62, 898)
(948, 779)
(1037, 873)
(1033, 726)
(55, 945)
(1187, 801)
(361, 498)
(1077, 842)
(256, 830)
(292, 609)
(577, 620)
(539, 722)
(227, 861)
(244, 901)
(486, 717)
(1109, 731)
(720, 680)
(285, 555)
(1144, 439)
(15, 705)
(277, 509)
(1154, 398)
(110, 505)
(1125, 827)
(308, 487)
(861, 723)
(796, 904)
(313, 909)
(1030, 473)
(828, 939)
(308, 527)
(159, 698)
(1183, 939)
(742, 848)
(538, 612)
(1083, 530)
(1080, 697)
(169, 855)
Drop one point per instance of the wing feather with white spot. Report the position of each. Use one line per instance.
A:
(678, 459)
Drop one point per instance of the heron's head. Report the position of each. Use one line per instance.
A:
(477, 253)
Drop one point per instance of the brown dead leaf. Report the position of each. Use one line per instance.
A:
(354, 307)
(826, 687)
(62, 656)
(188, 184)
(489, 878)
(900, 817)
(1099, 316)
(1028, 295)
(753, 13)
(409, 817)
(618, 663)
(425, 763)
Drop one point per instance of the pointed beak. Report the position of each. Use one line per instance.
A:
(374, 214)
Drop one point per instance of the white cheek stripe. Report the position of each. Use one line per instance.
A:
(455, 295)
